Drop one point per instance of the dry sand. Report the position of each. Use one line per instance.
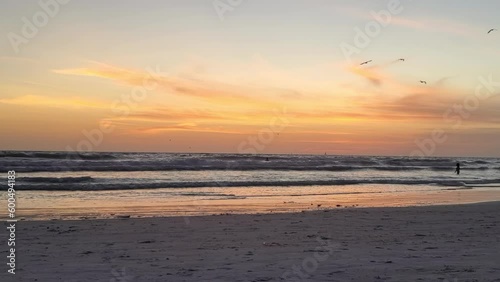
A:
(435, 243)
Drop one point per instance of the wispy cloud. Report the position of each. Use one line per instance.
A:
(217, 92)
(372, 74)
(427, 24)
(169, 114)
(436, 25)
(174, 127)
(432, 103)
(72, 102)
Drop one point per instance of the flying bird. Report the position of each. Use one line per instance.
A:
(364, 63)
(493, 29)
(423, 81)
(402, 60)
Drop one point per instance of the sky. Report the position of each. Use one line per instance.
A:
(251, 76)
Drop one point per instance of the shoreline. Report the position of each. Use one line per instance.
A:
(428, 243)
(201, 216)
(52, 205)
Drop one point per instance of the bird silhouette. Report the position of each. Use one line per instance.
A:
(364, 63)
(402, 60)
(493, 29)
(423, 81)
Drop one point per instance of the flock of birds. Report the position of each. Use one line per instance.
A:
(402, 59)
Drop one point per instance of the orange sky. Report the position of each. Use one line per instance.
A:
(192, 91)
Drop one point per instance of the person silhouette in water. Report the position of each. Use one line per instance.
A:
(457, 170)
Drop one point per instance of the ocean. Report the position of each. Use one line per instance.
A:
(60, 180)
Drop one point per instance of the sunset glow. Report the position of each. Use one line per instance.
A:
(177, 78)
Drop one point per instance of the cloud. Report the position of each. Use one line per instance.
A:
(433, 103)
(35, 100)
(159, 129)
(428, 24)
(436, 25)
(212, 91)
(423, 23)
(164, 114)
(161, 119)
(372, 74)
(188, 126)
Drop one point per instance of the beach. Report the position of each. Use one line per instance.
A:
(118, 217)
(254, 141)
(426, 243)
(58, 185)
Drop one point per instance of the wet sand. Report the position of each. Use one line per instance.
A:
(429, 243)
(46, 205)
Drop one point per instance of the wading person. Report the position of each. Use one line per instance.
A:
(457, 170)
